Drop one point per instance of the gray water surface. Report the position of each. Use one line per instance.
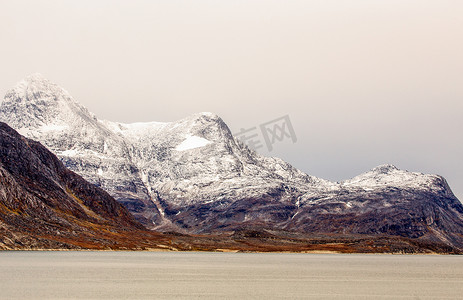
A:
(193, 275)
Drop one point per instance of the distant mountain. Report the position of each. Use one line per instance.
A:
(193, 176)
(45, 205)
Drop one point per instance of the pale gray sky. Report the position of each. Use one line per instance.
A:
(364, 82)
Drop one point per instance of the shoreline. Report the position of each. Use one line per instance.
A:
(231, 251)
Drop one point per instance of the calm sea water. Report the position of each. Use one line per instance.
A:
(184, 275)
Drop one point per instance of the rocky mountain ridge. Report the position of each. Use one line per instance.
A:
(193, 176)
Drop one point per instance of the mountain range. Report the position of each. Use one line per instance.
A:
(193, 176)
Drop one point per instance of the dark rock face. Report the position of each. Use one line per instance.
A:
(193, 176)
(414, 215)
(41, 199)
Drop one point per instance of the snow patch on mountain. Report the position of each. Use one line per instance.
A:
(192, 142)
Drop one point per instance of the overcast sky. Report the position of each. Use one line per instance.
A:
(364, 82)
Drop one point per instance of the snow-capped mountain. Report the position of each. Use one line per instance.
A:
(45, 112)
(193, 175)
(191, 161)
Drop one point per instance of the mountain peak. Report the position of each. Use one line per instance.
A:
(390, 175)
(385, 169)
(33, 83)
(35, 77)
(36, 102)
(35, 92)
(203, 116)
